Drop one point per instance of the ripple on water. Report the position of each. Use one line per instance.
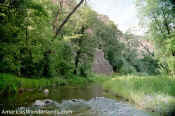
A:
(99, 106)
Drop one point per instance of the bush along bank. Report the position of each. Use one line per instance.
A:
(11, 84)
(153, 93)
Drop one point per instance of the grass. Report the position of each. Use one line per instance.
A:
(155, 93)
(10, 84)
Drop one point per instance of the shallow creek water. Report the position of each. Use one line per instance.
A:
(87, 100)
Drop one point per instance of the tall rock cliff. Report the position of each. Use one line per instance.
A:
(100, 64)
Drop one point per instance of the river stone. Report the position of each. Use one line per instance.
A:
(48, 101)
(39, 103)
(75, 106)
(46, 91)
(100, 64)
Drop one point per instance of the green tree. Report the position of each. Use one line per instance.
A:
(160, 20)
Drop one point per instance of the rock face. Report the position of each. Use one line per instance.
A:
(100, 64)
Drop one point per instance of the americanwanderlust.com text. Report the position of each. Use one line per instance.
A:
(28, 111)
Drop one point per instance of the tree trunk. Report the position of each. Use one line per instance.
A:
(68, 17)
(166, 22)
(77, 62)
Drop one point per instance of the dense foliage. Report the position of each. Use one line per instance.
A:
(159, 17)
(29, 47)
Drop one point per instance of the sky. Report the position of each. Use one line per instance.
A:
(122, 12)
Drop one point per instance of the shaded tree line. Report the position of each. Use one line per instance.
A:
(58, 38)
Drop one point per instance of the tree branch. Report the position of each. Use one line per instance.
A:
(68, 17)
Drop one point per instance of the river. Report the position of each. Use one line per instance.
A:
(87, 100)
